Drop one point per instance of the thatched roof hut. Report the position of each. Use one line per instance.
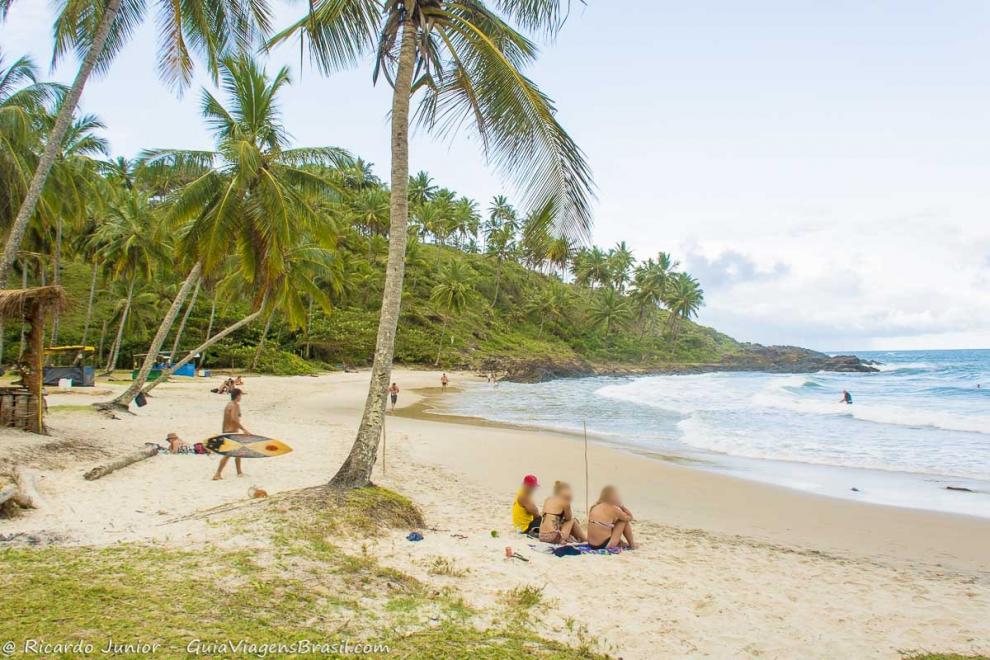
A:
(20, 303)
(23, 406)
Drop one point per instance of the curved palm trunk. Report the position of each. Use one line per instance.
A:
(182, 323)
(103, 334)
(356, 470)
(115, 349)
(125, 398)
(498, 280)
(261, 343)
(89, 304)
(54, 142)
(201, 349)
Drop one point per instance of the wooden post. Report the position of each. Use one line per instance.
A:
(35, 363)
(587, 510)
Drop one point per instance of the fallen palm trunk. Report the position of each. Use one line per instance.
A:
(123, 461)
(27, 494)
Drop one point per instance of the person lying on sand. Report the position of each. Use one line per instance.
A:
(525, 513)
(558, 524)
(232, 424)
(609, 522)
(177, 445)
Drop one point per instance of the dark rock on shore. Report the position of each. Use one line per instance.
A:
(794, 359)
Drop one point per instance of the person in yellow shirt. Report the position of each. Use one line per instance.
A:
(525, 513)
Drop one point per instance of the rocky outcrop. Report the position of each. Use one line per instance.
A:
(792, 359)
(752, 357)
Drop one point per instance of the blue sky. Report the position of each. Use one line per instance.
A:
(823, 168)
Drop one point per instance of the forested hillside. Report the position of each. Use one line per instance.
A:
(292, 242)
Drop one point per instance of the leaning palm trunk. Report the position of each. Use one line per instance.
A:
(182, 323)
(115, 349)
(356, 470)
(201, 349)
(125, 398)
(89, 304)
(54, 141)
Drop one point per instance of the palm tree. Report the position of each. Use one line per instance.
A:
(97, 30)
(560, 251)
(253, 196)
(619, 260)
(421, 189)
(609, 310)
(129, 244)
(464, 61)
(451, 293)
(684, 298)
(651, 281)
(550, 305)
(23, 103)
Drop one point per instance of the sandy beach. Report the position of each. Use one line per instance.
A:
(726, 567)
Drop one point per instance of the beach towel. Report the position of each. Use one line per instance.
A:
(573, 549)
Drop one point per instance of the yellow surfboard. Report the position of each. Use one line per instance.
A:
(243, 445)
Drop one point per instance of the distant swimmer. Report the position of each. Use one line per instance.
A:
(846, 398)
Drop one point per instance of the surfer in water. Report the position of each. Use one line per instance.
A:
(847, 398)
(232, 424)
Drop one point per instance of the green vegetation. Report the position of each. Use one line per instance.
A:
(304, 581)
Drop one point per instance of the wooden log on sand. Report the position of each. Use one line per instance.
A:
(123, 461)
(7, 493)
(27, 494)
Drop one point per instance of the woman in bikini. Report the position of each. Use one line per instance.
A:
(609, 522)
(558, 524)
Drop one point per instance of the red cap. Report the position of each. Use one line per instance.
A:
(530, 480)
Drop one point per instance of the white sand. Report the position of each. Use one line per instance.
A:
(727, 567)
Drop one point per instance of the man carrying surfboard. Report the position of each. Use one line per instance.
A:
(232, 424)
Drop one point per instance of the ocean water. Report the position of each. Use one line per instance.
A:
(914, 429)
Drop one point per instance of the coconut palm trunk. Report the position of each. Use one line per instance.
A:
(261, 343)
(57, 274)
(209, 324)
(54, 141)
(115, 349)
(201, 349)
(182, 323)
(24, 285)
(89, 304)
(125, 398)
(309, 328)
(356, 470)
(443, 331)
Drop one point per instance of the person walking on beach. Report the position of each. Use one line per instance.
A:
(393, 392)
(443, 382)
(232, 424)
